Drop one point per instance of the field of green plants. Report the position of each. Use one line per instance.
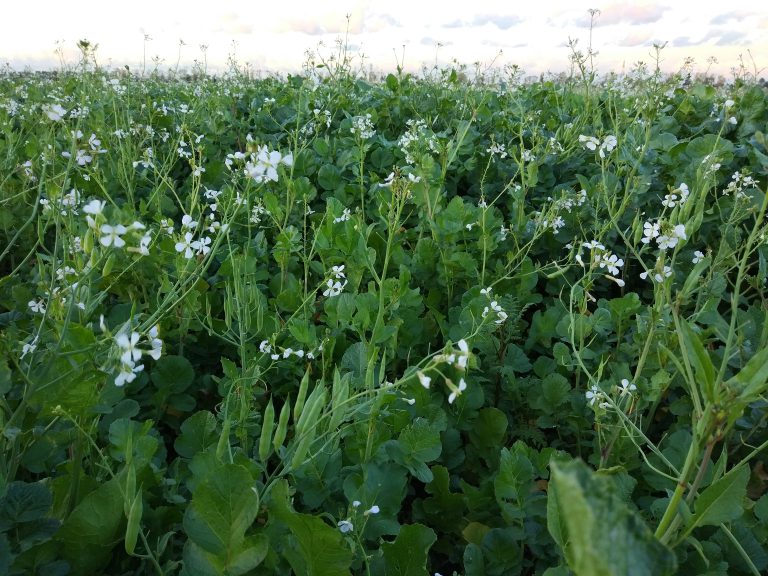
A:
(326, 325)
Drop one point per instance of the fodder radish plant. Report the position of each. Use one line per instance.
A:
(328, 325)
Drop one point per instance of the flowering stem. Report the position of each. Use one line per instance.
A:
(663, 531)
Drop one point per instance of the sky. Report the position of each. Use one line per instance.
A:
(275, 36)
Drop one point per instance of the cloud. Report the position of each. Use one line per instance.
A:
(726, 37)
(726, 17)
(625, 14)
(731, 38)
(683, 41)
(502, 22)
(635, 39)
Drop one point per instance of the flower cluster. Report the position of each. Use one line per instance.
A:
(334, 286)
(130, 353)
(84, 155)
(666, 236)
(603, 148)
(494, 307)
(346, 526)
(740, 182)
(497, 149)
(415, 139)
(676, 197)
(266, 348)
(362, 127)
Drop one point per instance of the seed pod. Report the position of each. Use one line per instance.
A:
(88, 242)
(266, 431)
(310, 415)
(299, 406)
(134, 523)
(282, 426)
(108, 265)
(339, 397)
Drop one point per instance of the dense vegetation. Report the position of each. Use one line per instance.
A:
(338, 326)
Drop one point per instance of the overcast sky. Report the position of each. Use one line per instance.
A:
(276, 35)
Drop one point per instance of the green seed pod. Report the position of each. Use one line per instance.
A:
(88, 242)
(310, 415)
(108, 265)
(339, 397)
(134, 523)
(299, 406)
(282, 426)
(266, 431)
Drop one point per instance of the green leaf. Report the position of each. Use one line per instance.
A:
(513, 482)
(93, 529)
(251, 553)
(173, 374)
(24, 502)
(223, 507)
(198, 433)
(752, 380)
(407, 555)
(723, 501)
(417, 444)
(600, 534)
(316, 548)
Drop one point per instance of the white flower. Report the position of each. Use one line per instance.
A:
(486, 291)
(344, 216)
(626, 387)
(609, 143)
(37, 306)
(54, 112)
(127, 344)
(111, 235)
(155, 342)
(592, 244)
(698, 256)
(94, 207)
(202, 246)
(334, 288)
(187, 222)
(457, 392)
(127, 373)
(650, 230)
(424, 379)
(593, 394)
(372, 510)
(345, 526)
(338, 272)
(186, 245)
(264, 347)
(589, 141)
(28, 348)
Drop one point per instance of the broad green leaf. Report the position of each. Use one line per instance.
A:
(418, 443)
(513, 482)
(223, 507)
(723, 501)
(198, 433)
(24, 502)
(251, 553)
(93, 529)
(407, 555)
(316, 548)
(173, 374)
(600, 534)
